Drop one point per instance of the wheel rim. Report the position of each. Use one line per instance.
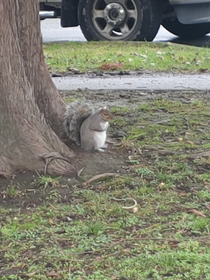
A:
(115, 20)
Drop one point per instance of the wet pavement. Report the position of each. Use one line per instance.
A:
(154, 81)
(53, 32)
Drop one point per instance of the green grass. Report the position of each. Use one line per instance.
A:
(81, 233)
(132, 56)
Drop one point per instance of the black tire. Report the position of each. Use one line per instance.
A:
(187, 31)
(120, 20)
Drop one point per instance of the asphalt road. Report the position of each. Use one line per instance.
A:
(53, 32)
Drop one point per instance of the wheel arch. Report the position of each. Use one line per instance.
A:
(69, 13)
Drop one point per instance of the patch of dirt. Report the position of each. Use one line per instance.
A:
(134, 98)
(94, 163)
(29, 194)
(113, 160)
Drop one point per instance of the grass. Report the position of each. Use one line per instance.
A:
(126, 56)
(81, 233)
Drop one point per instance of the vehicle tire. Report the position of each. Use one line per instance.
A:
(187, 31)
(120, 19)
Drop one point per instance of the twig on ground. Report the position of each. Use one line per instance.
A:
(126, 199)
(100, 176)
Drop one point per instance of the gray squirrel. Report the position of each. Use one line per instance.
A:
(87, 127)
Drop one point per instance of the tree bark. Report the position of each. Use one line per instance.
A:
(30, 105)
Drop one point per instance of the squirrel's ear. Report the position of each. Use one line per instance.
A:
(103, 108)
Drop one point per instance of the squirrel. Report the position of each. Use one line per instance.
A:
(87, 127)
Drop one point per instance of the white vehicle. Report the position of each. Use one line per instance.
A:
(131, 19)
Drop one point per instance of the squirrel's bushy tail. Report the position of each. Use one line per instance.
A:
(76, 113)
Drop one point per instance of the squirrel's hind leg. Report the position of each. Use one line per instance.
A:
(104, 146)
(99, 150)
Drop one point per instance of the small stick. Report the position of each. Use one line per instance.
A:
(98, 177)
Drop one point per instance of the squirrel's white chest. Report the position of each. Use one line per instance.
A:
(93, 137)
(99, 139)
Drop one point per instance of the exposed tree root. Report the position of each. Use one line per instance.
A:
(6, 169)
(54, 156)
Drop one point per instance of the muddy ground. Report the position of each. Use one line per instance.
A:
(114, 159)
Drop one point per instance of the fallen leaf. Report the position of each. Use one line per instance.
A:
(31, 274)
(53, 274)
(143, 55)
(111, 66)
(174, 245)
(126, 251)
(159, 52)
(50, 222)
(183, 194)
(136, 54)
(196, 212)
(190, 142)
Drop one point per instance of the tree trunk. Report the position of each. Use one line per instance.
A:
(31, 109)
